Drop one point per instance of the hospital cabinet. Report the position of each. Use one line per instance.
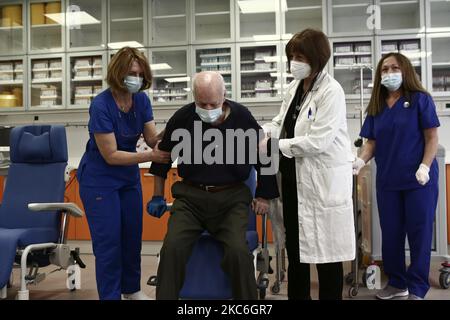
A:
(169, 22)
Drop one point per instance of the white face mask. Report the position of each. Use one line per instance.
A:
(133, 84)
(208, 116)
(300, 70)
(392, 81)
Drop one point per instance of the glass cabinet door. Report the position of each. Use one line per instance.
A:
(11, 28)
(11, 84)
(84, 21)
(299, 15)
(259, 74)
(220, 60)
(169, 24)
(440, 62)
(171, 84)
(126, 23)
(439, 14)
(348, 59)
(86, 79)
(349, 16)
(258, 19)
(400, 14)
(46, 82)
(212, 20)
(46, 22)
(408, 47)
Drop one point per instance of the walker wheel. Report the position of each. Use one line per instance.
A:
(353, 292)
(444, 280)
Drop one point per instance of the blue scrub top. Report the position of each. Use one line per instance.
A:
(106, 117)
(400, 143)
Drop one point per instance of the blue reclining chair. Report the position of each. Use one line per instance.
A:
(36, 182)
(205, 278)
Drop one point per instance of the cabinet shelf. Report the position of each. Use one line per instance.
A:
(46, 69)
(127, 19)
(304, 8)
(212, 55)
(172, 16)
(258, 71)
(46, 26)
(87, 79)
(13, 28)
(212, 13)
(47, 80)
(209, 64)
(169, 75)
(354, 5)
(441, 64)
(9, 82)
(346, 54)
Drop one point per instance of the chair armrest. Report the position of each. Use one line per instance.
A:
(69, 207)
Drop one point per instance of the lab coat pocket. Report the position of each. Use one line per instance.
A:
(335, 232)
(333, 186)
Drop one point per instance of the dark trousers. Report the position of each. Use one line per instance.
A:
(224, 215)
(299, 283)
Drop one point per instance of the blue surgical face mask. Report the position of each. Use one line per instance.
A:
(208, 116)
(133, 84)
(392, 81)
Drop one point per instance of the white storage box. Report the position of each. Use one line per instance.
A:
(82, 73)
(48, 102)
(40, 65)
(389, 47)
(18, 67)
(82, 101)
(409, 45)
(56, 74)
(19, 76)
(345, 61)
(6, 76)
(260, 54)
(82, 62)
(96, 90)
(97, 72)
(362, 47)
(343, 47)
(97, 61)
(55, 63)
(262, 84)
(6, 66)
(262, 66)
(263, 94)
(40, 74)
(83, 90)
(49, 91)
(363, 60)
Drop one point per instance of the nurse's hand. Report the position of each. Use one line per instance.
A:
(260, 206)
(159, 156)
(157, 206)
(357, 165)
(422, 174)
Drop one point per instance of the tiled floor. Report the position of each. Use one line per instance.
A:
(53, 287)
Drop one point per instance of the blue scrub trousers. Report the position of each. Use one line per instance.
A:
(407, 213)
(115, 221)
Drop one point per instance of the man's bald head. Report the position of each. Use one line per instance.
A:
(208, 88)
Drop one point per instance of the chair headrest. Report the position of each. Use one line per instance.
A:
(38, 144)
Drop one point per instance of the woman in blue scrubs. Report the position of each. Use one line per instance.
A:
(401, 131)
(109, 178)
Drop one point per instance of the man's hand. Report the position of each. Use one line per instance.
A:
(157, 206)
(260, 206)
(159, 156)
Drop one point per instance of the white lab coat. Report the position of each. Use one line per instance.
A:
(323, 159)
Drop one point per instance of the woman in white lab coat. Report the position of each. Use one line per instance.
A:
(315, 170)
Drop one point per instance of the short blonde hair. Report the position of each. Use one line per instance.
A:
(120, 65)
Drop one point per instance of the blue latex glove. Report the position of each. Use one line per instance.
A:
(157, 206)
